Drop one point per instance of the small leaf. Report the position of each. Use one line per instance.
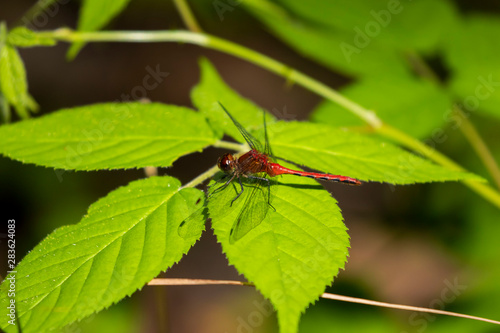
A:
(125, 240)
(294, 253)
(212, 90)
(108, 136)
(24, 37)
(336, 151)
(413, 106)
(13, 81)
(95, 14)
(472, 53)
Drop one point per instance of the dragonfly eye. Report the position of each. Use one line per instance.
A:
(226, 163)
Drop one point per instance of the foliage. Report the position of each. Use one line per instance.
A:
(131, 235)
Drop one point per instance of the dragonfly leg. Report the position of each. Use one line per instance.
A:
(260, 178)
(238, 195)
(223, 186)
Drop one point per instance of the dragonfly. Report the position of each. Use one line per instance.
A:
(257, 166)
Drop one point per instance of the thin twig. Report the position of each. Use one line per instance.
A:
(466, 127)
(421, 67)
(201, 178)
(150, 171)
(405, 307)
(479, 146)
(195, 282)
(199, 282)
(187, 15)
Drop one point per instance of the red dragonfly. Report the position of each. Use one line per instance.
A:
(256, 166)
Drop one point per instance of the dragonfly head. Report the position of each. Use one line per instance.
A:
(226, 163)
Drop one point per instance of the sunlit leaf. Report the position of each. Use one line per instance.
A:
(13, 81)
(277, 248)
(125, 240)
(24, 37)
(336, 151)
(108, 136)
(294, 253)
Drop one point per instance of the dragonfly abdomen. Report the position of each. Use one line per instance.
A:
(276, 169)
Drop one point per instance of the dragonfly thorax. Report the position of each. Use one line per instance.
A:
(226, 163)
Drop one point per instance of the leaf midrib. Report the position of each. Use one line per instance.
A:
(149, 212)
(114, 138)
(336, 154)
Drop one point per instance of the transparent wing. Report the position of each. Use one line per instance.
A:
(195, 220)
(267, 147)
(254, 210)
(220, 195)
(190, 226)
(249, 138)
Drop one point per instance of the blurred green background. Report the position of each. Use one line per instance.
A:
(409, 245)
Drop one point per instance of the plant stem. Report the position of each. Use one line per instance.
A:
(220, 44)
(274, 66)
(187, 15)
(479, 146)
(466, 127)
(213, 170)
(422, 68)
(404, 139)
(201, 178)
(201, 282)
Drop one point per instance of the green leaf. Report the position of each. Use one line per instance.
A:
(24, 37)
(95, 14)
(108, 136)
(413, 106)
(294, 253)
(125, 240)
(212, 90)
(13, 81)
(336, 151)
(472, 53)
(358, 37)
(391, 23)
